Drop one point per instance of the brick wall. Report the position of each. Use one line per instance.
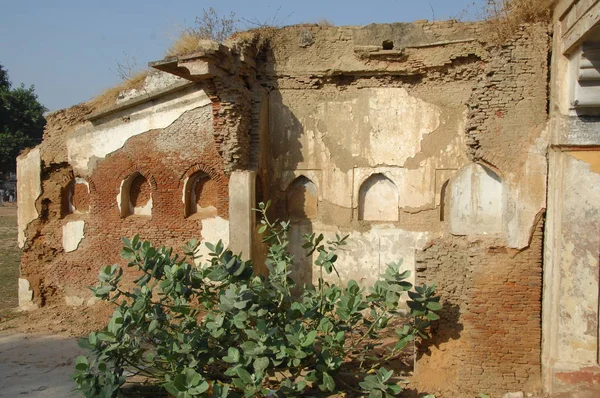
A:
(489, 334)
(166, 158)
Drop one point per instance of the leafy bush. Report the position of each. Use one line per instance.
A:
(218, 330)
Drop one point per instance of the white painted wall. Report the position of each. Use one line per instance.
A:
(85, 145)
(579, 254)
(338, 139)
(213, 230)
(29, 188)
(72, 235)
(476, 202)
(378, 199)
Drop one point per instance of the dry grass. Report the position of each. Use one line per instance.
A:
(504, 17)
(324, 22)
(187, 43)
(210, 25)
(109, 97)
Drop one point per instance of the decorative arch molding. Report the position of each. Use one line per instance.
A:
(289, 177)
(302, 199)
(212, 173)
(210, 200)
(378, 199)
(477, 201)
(125, 173)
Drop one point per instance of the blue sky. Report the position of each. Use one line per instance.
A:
(69, 49)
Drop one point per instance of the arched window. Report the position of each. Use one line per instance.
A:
(201, 195)
(476, 201)
(302, 199)
(136, 196)
(378, 199)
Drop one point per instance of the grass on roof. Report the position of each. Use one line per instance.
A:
(504, 17)
(109, 96)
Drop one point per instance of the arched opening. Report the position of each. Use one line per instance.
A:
(136, 196)
(443, 199)
(476, 198)
(201, 195)
(66, 200)
(378, 199)
(75, 197)
(302, 199)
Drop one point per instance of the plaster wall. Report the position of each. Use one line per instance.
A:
(349, 136)
(477, 202)
(29, 187)
(72, 234)
(572, 248)
(214, 229)
(580, 253)
(88, 144)
(332, 106)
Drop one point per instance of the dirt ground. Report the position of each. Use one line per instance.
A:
(62, 320)
(9, 257)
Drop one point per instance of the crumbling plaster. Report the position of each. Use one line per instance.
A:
(29, 187)
(572, 242)
(333, 106)
(72, 234)
(90, 143)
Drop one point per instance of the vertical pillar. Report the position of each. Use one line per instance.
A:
(29, 189)
(241, 216)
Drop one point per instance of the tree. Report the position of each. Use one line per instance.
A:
(21, 121)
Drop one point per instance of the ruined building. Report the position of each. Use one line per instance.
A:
(476, 164)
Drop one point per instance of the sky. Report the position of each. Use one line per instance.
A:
(70, 49)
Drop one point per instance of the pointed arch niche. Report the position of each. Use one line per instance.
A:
(201, 196)
(477, 201)
(135, 197)
(378, 199)
(302, 199)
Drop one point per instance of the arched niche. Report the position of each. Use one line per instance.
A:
(75, 197)
(378, 199)
(302, 199)
(476, 196)
(136, 196)
(80, 200)
(66, 205)
(201, 196)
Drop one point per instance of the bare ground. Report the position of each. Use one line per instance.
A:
(10, 256)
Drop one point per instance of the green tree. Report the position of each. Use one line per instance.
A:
(21, 121)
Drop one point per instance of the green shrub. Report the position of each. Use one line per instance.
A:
(218, 330)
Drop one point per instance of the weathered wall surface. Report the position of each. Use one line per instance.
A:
(385, 141)
(580, 245)
(169, 144)
(29, 187)
(489, 335)
(421, 142)
(571, 346)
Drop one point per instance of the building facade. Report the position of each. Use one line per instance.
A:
(424, 142)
